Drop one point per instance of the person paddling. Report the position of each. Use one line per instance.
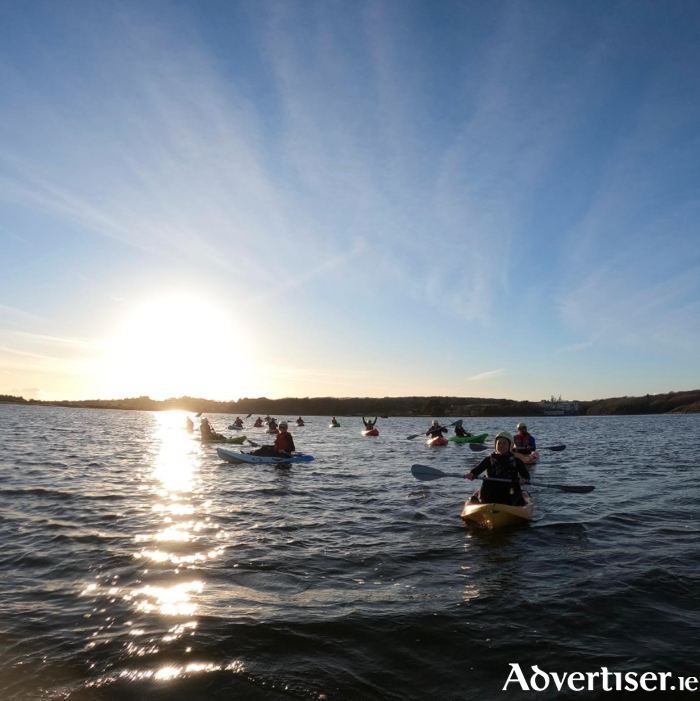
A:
(258, 423)
(300, 421)
(283, 446)
(369, 425)
(435, 429)
(524, 442)
(272, 425)
(460, 431)
(334, 421)
(238, 423)
(501, 464)
(208, 433)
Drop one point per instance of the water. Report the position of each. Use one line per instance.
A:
(136, 565)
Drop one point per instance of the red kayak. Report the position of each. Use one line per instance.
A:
(371, 432)
(438, 440)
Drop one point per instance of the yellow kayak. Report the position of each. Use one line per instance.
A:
(498, 515)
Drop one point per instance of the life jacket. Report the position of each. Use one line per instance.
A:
(503, 466)
(522, 440)
(284, 442)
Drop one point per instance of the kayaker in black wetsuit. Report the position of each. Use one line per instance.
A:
(272, 424)
(238, 422)
(459, 430)
(501, 464)
(208, 433)
(369, 425)
(435, 429)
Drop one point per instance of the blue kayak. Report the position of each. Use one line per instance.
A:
(243, 458)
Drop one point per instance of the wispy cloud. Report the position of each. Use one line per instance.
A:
(487, 375)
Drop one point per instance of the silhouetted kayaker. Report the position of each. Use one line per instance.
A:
(369, 425)
(435, 429)
(208, 433)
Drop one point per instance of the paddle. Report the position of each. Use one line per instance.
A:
(484, 446)
(253, 443)
(415, 435)
(426, 474)
(249, 415)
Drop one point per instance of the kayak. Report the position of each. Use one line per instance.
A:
(238, 440)
(370, 432)
(529, 459)
(469, 439)
(258, 425)
(272, 430)
(301, 424)
(247, 458)
(333, 425)
(233, 427)
(496, 515)
(438, 440)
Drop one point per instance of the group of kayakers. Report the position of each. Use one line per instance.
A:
(504, 463)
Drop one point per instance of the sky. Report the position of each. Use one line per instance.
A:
(251, 198)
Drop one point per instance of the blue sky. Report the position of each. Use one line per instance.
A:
(286, 198)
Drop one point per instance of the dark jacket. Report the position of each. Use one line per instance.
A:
(501, 467)
(435, 431)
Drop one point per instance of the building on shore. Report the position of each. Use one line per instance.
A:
(556, 407)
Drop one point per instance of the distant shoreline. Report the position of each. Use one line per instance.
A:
(388, 407)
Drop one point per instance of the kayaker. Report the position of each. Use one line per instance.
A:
(238, 422)
(300, 421)
(435, 429)
(524, 442)
(258, 423)
(501, 464)
(272, 424)
(334, 421)
(369, 425)
(207, 432)
(283, 446)
(189, 424)
(460, 432)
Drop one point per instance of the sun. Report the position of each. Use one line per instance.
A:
(180, 345)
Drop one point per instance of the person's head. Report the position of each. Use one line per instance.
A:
(522, 428)
(436, 422)
(502, 442)
(283, 426)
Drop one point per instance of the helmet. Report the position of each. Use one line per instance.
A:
(522, 425)
(436, 422)
(503, 434)
(283, 423)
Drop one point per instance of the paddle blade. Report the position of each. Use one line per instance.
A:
(426, 473)
(478, 447)
(574, 489)
(253, 443)
(415, 435)
(556, 448)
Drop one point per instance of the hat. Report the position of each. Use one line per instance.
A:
(503, 434)
(522, 425)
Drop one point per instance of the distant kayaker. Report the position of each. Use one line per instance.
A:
(501, 464)
(460, 432)
(283, 447)
(272, 424)
(369, 425)
(189, 425)
(300, 421)
(238, 422)
(334, 421)
(524, 442)
(207, 432)
(435, 429)
(258, 423)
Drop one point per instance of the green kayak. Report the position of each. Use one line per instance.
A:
(469, 439)
(238, 440)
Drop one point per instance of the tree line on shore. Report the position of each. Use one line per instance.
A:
(672, 402)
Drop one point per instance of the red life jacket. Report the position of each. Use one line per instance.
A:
(284, 442)
(522, 440)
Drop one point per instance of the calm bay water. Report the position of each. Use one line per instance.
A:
(136, 565)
